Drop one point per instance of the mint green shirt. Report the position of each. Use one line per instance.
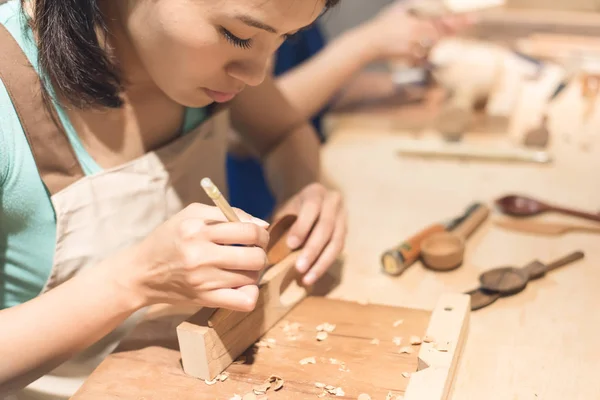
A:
(27, 218)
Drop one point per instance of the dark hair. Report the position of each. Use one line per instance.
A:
(71, 55)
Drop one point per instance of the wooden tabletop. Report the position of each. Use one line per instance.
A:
(539, 344)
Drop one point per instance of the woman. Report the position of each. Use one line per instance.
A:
(102, 214)
(310, 73)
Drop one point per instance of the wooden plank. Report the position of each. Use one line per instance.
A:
(207, 350)
(348, 358)
(449, 327)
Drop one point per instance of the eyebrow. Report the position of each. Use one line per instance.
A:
(256, 24)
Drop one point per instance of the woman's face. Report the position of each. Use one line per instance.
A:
(200, 51)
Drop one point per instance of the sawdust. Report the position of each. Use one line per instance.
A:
(249, 396)
(322, 336)
(308, 360)
(406, 350)
(375, 341)
(415, 340)
(364, 396)
(326, 327)
(397, 340)
(406, 374)
(236, 397)
(392, 396)
(398, 323)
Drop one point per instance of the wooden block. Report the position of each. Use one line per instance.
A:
(207, 351)
(448, 327)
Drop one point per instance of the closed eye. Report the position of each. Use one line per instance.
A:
(234, 40)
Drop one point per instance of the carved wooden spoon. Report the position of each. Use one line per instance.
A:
(524, 206)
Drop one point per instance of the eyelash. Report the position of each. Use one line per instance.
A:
(236, 41)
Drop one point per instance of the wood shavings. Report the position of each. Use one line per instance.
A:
(428, 339)
(322, 336)
(277, 382)
(397, 340)
(326, 327)
(261, 389)
(392, 396)
(211, 382)
(320, 385)
(375, 341)
(308, 360)
(415, 340)
(222, 377)
(398, 323)
(269, 343)
(291, 330)
(406, 350)
(406, 374)
(236, 397)
(364, 396)
(443, 347)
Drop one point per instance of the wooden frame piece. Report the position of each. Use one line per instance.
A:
(209, 345)
(438, 359)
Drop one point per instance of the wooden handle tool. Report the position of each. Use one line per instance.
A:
(445, 251)
(396, 260)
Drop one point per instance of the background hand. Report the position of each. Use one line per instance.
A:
(396, 33)
(320, 229)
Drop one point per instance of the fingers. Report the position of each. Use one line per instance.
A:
(200, 254)
(247, 234)
(212, 278)
(322, 232)
(309, 212)
(213, 213)
(330, 253)
(240, 299)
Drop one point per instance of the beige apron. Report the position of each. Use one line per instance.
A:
(100, 214)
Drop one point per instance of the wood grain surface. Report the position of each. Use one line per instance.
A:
(156, 373)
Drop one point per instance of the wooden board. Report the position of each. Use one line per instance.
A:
(155, 373)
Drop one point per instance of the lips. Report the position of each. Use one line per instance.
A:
(220, 97)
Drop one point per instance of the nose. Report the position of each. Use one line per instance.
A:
(250, 72)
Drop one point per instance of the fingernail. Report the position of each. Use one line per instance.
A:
(293, 242)
(310, 278)
(260, 222)
(302, 264)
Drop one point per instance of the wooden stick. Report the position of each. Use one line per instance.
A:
(215, 194)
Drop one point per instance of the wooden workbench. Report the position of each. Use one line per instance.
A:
(540, 344)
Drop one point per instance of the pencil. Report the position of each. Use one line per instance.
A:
(215, 194)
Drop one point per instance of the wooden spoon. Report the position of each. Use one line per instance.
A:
(511, 280)
(524, 206)
(544, 228)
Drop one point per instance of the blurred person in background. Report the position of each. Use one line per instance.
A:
(310, 72)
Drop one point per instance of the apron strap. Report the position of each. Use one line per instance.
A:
(54, 157)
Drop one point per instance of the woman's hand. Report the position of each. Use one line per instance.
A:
(395, 33)
(320, 229)
(191, 258)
